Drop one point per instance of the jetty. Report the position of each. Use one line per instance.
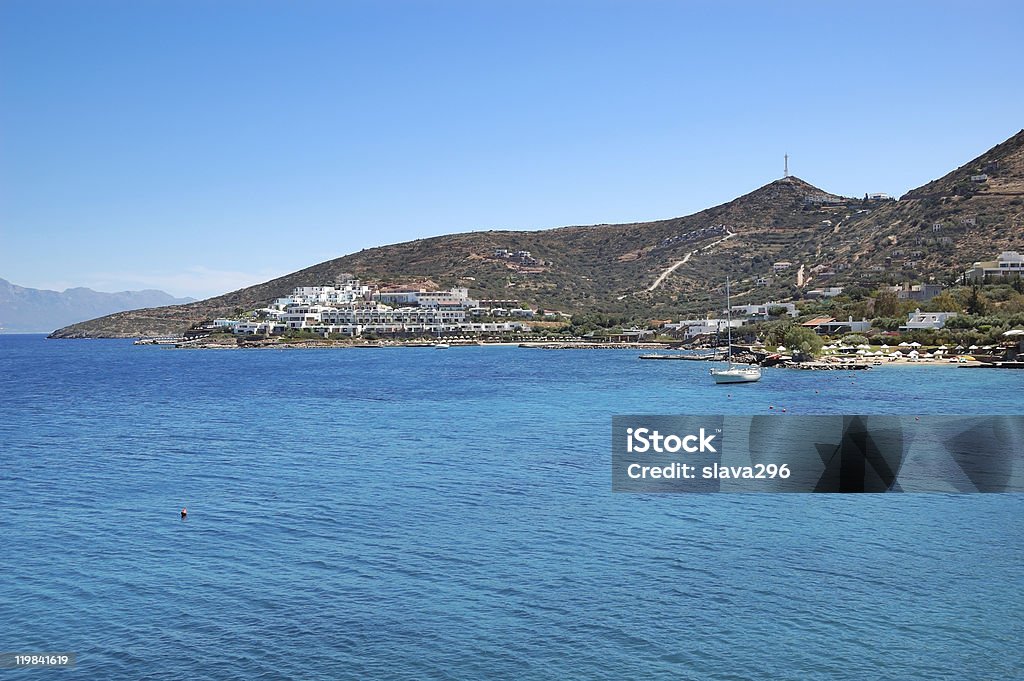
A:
(692, 358)
(160, 340)
(585, 345)
(764, 359)
(993, 365)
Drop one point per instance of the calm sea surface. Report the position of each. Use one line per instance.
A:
(415, 513)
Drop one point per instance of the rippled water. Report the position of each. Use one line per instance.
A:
(408, 513)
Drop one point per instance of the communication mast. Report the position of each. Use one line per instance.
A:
(785, 170)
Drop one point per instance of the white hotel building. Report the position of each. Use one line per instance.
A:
(691, 328)
(353, 309)
(1008, 264)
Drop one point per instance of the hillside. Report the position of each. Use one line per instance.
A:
(936, 230)
(30, 310)
(1003, 166)
(931, 233)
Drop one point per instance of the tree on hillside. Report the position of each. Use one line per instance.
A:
(887, 323)
(976, 303)
(944, 302)
(803, 341)
(855, 292)
(887, 304)
(797, 339)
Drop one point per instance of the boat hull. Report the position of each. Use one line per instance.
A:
(750, 375)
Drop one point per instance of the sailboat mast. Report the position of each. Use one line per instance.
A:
(728, 320)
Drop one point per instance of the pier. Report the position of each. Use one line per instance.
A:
(692, 358)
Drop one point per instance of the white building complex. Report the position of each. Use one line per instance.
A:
(926, 320)
(692, 328)
(741, 316)
(353, 309)
(763, 311)
(1008, 264)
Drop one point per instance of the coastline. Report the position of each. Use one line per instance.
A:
(826, 364)
(328, 344)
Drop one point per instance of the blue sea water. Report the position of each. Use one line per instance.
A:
(411, 514)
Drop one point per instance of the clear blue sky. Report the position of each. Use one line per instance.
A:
(199, 146)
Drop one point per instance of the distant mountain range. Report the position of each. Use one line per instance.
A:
(31, 310)
(777, 243)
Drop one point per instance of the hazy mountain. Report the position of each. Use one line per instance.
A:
(930, 234)
(30, 310)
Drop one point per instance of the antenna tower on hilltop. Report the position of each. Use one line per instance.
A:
(785, 171)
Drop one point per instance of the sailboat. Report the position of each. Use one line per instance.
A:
(734, 373)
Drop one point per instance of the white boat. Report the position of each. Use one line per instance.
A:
(737, 374)
(441, 346)
(734, 373)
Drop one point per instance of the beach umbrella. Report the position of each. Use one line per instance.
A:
(896, 354)
(861, 351)
(913, 353)
(885, 347)
(878, 353)
(915, 344)
(987, 347)
(904, 344)
(943, 347)
(864, 346)
(960, 347)
(973, 347)
(781, 348)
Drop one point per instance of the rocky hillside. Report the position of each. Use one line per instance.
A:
(1002, 166)
(930, 234)
(937, 230)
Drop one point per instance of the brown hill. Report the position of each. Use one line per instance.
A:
(935, 231)
(999, 171)
(929, 234)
